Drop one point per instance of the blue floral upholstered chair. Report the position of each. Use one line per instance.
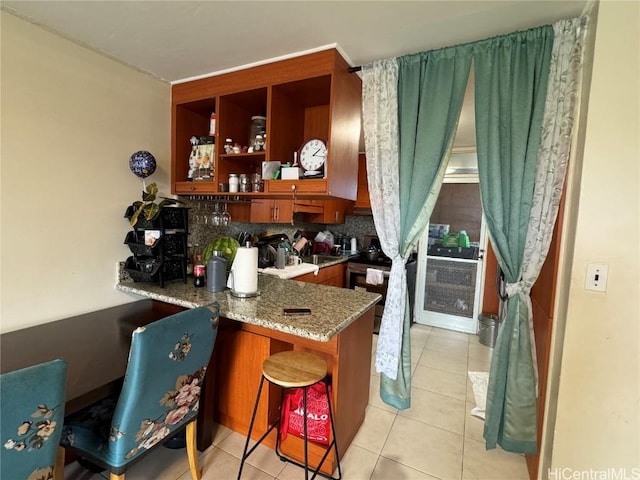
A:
(31, 417)
(159, 397)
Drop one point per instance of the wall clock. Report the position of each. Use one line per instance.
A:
(313, 156)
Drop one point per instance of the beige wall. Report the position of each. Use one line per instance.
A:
(597, 399)
(71, 119)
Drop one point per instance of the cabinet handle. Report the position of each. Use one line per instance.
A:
(277, 210)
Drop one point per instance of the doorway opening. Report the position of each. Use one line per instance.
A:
(450, 275)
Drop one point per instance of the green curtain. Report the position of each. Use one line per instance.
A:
(511, 74)
(431, 88)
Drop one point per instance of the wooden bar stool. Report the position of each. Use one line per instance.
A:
(293, 369)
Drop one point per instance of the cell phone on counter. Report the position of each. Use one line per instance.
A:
(296, 311)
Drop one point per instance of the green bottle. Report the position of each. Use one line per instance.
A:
(463, 239)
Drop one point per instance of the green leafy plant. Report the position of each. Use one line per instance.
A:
(148, 206)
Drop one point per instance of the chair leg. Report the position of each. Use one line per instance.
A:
(58, 470)
(192, 451)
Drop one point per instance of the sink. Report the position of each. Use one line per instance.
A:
(319, 259)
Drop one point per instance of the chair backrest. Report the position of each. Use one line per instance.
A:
(31, 418)
(161, 391)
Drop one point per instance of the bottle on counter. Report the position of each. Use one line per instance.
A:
(198, 272)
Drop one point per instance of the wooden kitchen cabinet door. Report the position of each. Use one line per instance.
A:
(264, 210)
(239, 356)
(335, 210)
(332, 276)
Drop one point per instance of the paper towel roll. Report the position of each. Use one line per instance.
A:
(245, 270)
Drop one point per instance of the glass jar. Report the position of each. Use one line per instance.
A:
(228, 145)
(259, 145)
(256, 180)
(233, 182)
(245, 184)
(258, 128)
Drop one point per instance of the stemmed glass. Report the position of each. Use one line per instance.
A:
(226, 216)
(197, 212)
(216, 217)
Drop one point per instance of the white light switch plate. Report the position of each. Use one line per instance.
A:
(596, 277)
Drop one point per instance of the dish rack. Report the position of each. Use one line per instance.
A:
(158, 246)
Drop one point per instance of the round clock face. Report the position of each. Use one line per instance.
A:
(313, 155)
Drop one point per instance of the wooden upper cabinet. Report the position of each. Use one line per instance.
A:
(306, 97)
(266, 210)
(362, 199)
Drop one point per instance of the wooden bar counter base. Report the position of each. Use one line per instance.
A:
(339, 330)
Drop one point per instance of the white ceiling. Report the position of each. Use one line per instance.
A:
(178, 40)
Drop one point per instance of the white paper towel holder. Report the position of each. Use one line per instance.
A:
(245, 294)
(254, 268)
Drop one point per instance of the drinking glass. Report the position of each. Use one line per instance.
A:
(226, 216)
(197, 213)
(204, 218)
(216, 217)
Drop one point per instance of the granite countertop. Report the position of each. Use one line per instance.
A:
(332, 308)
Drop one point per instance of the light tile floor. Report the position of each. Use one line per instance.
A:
(436, 438)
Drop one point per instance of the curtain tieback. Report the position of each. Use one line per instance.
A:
(518, 287)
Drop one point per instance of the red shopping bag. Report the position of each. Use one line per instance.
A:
(318, 421)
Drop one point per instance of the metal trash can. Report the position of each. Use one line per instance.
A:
(488, 329)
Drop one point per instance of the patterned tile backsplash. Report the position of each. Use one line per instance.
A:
(355, 226)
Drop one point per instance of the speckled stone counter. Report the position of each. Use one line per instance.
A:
(339, 330)
(332, 309)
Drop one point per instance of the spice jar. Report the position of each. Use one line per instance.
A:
(256, 182)
(233, 182)
(228, 145)
(245, 185)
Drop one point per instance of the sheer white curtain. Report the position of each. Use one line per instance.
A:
(380, 124)
(553, 156)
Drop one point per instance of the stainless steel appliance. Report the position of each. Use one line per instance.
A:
(267, 248)
(356, 277)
